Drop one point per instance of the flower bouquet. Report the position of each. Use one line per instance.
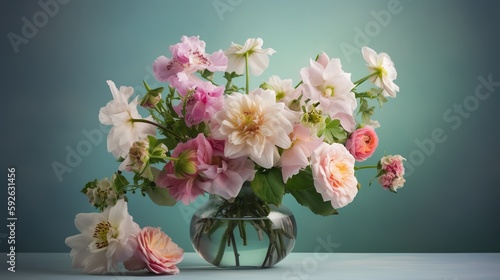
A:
(209, 132)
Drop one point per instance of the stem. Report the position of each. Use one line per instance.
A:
(159, 126)
(268, 254)
(247, 78)
(243, 232)
(210, 80)
(241, 225)
(360, 81)
(220, 252)
(364, 167)
(235, 250)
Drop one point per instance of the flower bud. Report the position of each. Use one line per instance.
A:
(313, 119)
(102, 194)
(265, 85)
(294, 105)
(152, 97)
(159, 151)
(138, 155)
(186, 164)
(150, 101)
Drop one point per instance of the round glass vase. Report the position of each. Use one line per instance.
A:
(243, 233)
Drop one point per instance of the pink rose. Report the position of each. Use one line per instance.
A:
(392, 172)
(155, 251)
(362, 143)
(333, 174)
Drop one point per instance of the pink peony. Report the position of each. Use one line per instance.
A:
(224, 176)
(297, 157)
(362, 143)
(333, 174)
(393, 164)
(188, 56)
(393, 171)
(214, 174)
(155, 251)
(184, 188)
(201, 100)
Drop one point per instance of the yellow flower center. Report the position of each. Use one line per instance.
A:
(339, 172)
(313, 117)
(280, 95)
(329, 91)
(250, 123)
(381, 72)
(101, 233)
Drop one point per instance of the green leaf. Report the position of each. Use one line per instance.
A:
(120, 182)
(301, 181)
(363, 105)
(334, 132)
(207, 75)
(91, 184)
(268, 186)
(229, 76)
(381, 100)
(366, 115)
(160, 196)
(152, 141)
(230, 88)
(146, 173)
(311, 199)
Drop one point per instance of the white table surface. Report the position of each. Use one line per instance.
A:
(297, 266)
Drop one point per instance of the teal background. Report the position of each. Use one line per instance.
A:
(53, 88)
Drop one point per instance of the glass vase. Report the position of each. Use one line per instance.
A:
(245, 232)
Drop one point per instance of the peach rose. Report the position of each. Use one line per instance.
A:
(155, 251)
(333, 174)
(362, 143)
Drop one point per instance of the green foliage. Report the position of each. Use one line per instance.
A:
(89, 185)
(334, 132)
(365, 110)
(120, 183)
(311, 199)
(160, 196)
(301, 187)
(268, 186)
(230, 87)
(207, 75)
(300, 181)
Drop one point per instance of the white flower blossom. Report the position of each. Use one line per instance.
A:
(384, 67)
(253, 125)
(119, 113)
(328, 85)
(258, 59)
(105, 239)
